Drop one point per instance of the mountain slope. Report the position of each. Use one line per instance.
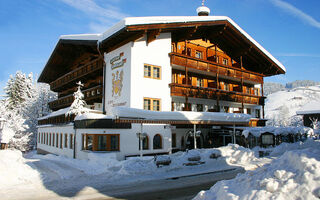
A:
(281, 106)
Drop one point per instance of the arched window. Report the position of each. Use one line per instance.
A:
(145, 143)
(157, 142)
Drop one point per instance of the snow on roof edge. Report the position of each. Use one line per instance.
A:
(96, 36)
(312, 107)
(179, 115)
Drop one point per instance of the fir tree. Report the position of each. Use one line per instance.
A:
(78, 105)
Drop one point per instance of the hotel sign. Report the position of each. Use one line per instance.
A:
(116, 61)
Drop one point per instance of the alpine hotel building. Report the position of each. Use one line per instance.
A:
(159, 78)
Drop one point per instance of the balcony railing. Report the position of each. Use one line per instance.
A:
(89, 95)
(77, 74)
(213, 93)
(210, 66)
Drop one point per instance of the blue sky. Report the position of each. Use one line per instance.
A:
(29, 30)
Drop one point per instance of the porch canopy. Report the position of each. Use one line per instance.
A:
(133, 115)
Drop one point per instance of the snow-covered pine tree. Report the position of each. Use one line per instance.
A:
(18, 90)
(78, 105)
(26, 101)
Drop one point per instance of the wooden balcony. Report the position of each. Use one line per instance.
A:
(76, 75)
(213, 67)
(91, 95)
(213, 93)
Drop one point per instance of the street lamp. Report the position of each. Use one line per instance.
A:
(141, 136)
(2, 122)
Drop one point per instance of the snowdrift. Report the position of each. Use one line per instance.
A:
(14, 169)
(294, 175)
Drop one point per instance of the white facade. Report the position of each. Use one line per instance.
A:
(126, 75)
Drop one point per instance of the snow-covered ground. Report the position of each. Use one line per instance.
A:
(294, 173)
(48, 172)
(291, 169)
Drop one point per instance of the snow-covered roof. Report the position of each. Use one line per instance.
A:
(310, 108)
(124, 112)
(257, 131)
(92, 116)
(63, 111)
(130, 21)
(81, 37)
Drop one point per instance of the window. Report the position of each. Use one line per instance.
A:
(156, 72)
(38, 137)
(188, 51)
(200, 82)
(53, 136)
(66, 140)
(101, 142)
(256, 91)
(47, 139)
(199, 107)
(114, 142)
(151, 104)
(147, 71)
(152, 71)
(226, 86)
(157, 142)
(71, 141)
(267, 139)
(257, 113)
(247, 90)
(226, 109)
(225, 61)
(89, 145)
(50, 139)
(174, 140)
(198, 54)
(248, 111)
(60, 140)
(57, 140)
(145, 143)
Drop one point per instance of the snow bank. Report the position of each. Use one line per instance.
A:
(294, 175)
(14, 169)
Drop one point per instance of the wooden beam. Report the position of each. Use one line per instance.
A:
(152, 35)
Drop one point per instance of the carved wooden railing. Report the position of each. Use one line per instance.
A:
(77, 74)
(213, 93)
(89, 94)
(213, 67)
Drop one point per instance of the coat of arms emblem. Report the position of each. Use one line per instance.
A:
(117, 83)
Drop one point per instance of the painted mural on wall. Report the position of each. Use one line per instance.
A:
(117, 79)
(117, 87)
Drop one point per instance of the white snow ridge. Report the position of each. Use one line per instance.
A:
(294, 175)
